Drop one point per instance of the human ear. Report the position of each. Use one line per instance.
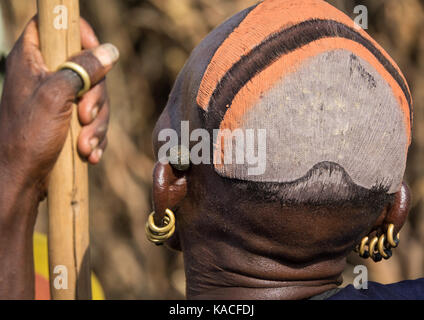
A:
(384, 235)
(397, 213)
(169, 189)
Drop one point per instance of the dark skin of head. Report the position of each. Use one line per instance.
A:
(235, 247)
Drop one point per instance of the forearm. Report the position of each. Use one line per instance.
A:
(18, 211)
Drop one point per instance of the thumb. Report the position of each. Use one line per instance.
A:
(97, 61)
(63, 86)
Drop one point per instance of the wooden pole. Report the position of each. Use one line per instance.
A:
(69, 255)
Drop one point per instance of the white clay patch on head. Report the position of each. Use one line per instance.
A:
(335, 108)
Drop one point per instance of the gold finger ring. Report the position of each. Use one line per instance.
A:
(82, 73)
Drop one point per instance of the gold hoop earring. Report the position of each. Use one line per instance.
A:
(379, 247)
(362, 253)
(393, 242)
(159, 235)
(385, 252)
(375, 255)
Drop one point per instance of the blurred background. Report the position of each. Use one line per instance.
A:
(155, 37)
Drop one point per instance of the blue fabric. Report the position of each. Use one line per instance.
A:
(405, 290)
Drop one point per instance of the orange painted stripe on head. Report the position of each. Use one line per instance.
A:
(250, 94)
(267, 18)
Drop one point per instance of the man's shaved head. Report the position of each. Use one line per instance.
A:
(336, 109)
(337, 113)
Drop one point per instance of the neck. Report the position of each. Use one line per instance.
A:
(223, 273)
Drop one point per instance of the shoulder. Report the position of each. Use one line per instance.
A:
(405, 290)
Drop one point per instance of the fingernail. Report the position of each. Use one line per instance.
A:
(98, 153)
(94, 143)
(107, 54)
(94, 113)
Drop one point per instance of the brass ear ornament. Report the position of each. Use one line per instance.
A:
(362, 253)
(378, 247)
(393, 242)
(180, 157)
(386, 253)
(374, 254)
(159, 235)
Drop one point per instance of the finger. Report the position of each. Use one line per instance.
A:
(88, 36)
(26, 52)
(91, 103)
(57, 93)
(30, 34)
(92, 135)
(97, 154)
(63, 86)
(97, 62)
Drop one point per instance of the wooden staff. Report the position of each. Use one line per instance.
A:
(68, 189)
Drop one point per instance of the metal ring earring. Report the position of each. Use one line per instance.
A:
(375, 255)
(386, 253)
(362, 253)
(159, 235)
(393, 242)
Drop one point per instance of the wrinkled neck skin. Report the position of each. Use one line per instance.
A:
(242, 248)
(238, 259)
(241, 275)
